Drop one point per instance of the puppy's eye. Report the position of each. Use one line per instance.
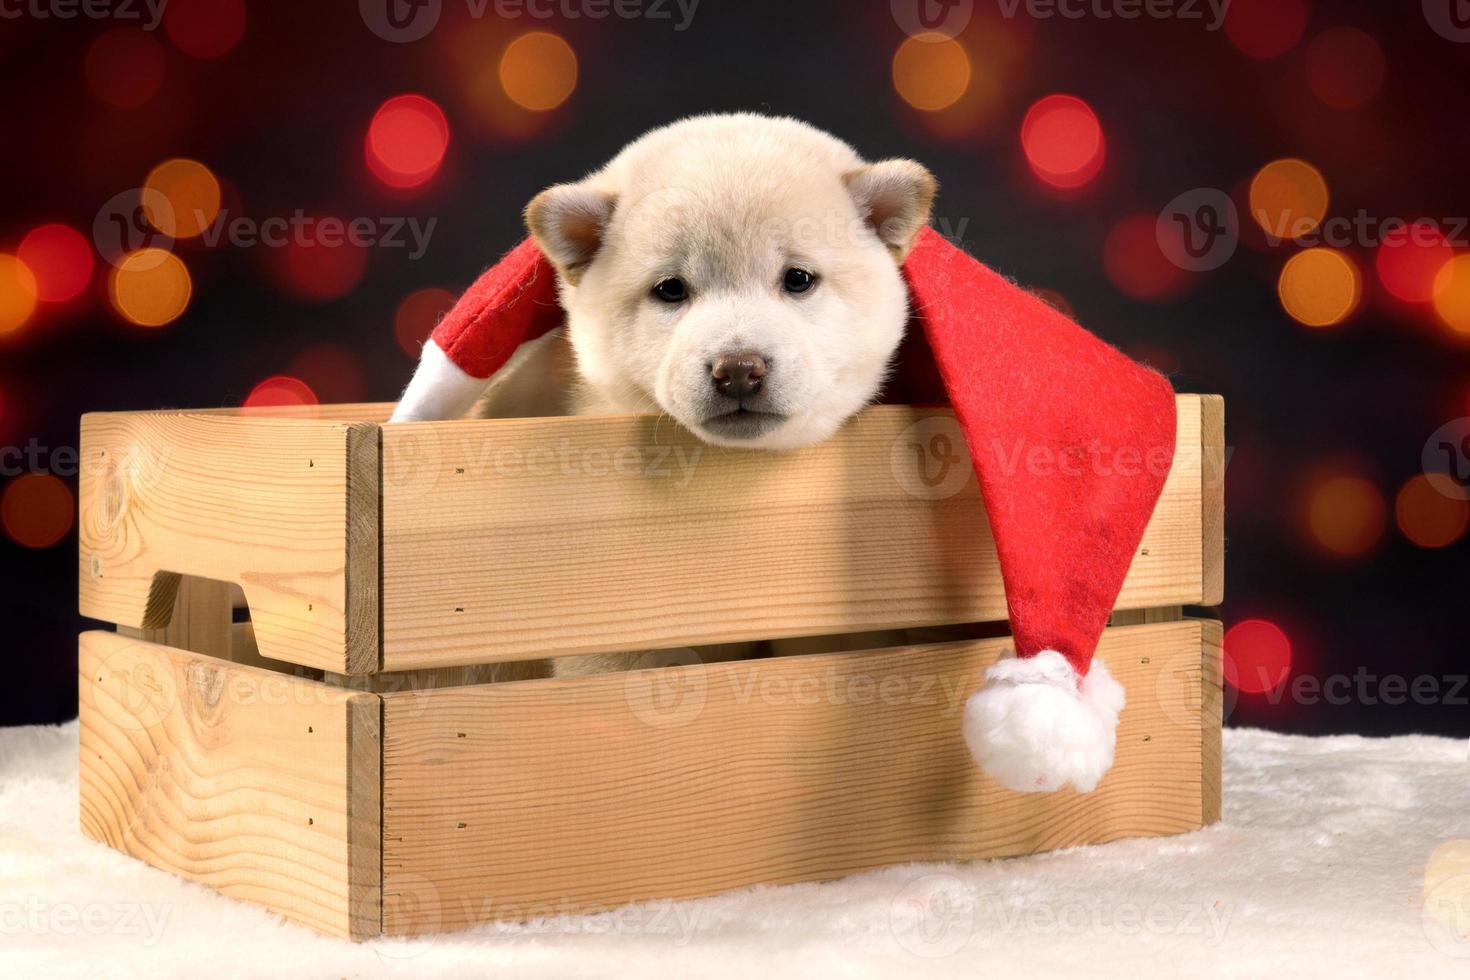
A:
(798, 281)
(671, 290)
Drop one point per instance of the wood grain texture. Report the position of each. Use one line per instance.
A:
(260, 502)
(1212, 497)
(263, 786)
(508, 539)
(503, 801)
(1212, 717)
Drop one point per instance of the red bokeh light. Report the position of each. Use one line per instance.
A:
(1135, 263)
(280, 391)
(1266, 28)
(1257, 656)
(320, 264)
(333, 372)
(37, 510)
(124, 68)
(1409, 259)
(61, 260)
(417, 316)
(1063, 141)
(1345, 67)
(204, 28)
(406, 141)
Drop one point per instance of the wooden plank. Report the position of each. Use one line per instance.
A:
(200, 621)
(1212, 718)
(507, 539)
(1212, 495)
(277, 506)
(512, 800)
(261, 785)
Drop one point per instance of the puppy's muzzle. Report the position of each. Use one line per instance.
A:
(738, 376)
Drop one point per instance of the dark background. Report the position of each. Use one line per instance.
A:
(280, 118)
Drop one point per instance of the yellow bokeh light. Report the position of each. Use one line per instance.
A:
(192, 193)
(1288, 198)
(1320, 287)
(17, 293)
(1346, 514)
(931, 72)
(1452, 294)
(150, 287)
(538, 71)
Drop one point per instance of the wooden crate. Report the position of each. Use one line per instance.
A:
(368, 753)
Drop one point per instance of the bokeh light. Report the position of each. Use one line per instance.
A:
(333, 372)
(1320, 287)
(1265, 28)
(1346, 514)
(18, 289)
(418, 315)
(538, 71)
(1135, 263)
(319, 263)
(124, 68)
(60, 258)
(1409, 259)
(1452, 295)
(1345, 67)
(1257, 656)
(204, 28)
(931, 72)
(1063, 141)
(36, 510)
(280, 391)
(406, 141)
(1288, 198)
(1429, 518)
(193, 194)
(150, 287)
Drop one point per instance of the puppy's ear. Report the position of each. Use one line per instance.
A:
(894, 197)
(568, 222)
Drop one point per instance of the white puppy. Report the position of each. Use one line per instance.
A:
(737, 272)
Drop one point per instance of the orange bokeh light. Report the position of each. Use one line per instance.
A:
(1452, 294)
(1135, 263)
(1346, 514)
(193, 194)
(931, 72)
(18, 291)
(406, 141)
(1320, 287)
(417, 316)
(1409, 259)
(1257, 656)
(1063, 141)
(1289, 198)
(1429, 518)
(60, 258)
(1345, 67)
(280, 391)
(538, 71)
(150, 287)
(204, 28)
(124, 68)
(37, 510)
(1265, 28)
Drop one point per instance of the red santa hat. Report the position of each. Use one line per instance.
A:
(1048, 411)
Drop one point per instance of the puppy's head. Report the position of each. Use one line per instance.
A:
(740, 273)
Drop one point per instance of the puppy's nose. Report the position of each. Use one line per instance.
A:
(738, 375)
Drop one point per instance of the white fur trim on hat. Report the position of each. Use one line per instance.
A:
(440, 389)
(1034, 728)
